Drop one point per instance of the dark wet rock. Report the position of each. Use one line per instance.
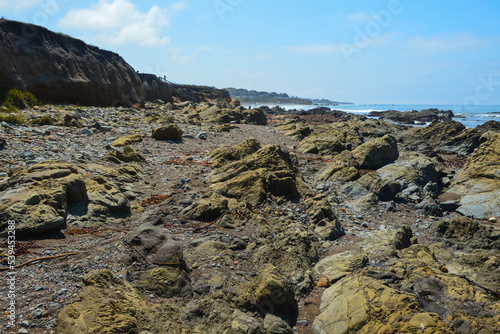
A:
(414, 116)
(428, 207)
(61, 69)
(493, 126)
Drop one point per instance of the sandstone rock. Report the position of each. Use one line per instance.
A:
(343, 168)
(127, 155)
(107, 305)
(365, 203)
(376, 153)
(147, 238)
(449, 136)
(222, 156)
(469, 233)
(478, 182)
(276, 325)
(269, 292)
(209, 208)
(325, 224)
(61, 69)
(127, 140)
(38, 197)
(412, 168)
(269, 171)
(245, 324)
(340, 265)
(167, 282)
(168, 132)
(384, 188)
(155, 88)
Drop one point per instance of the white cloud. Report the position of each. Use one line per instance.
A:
(120, 22)
(450, 42)
(19, 5)
(187, 57)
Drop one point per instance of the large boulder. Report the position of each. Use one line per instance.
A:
(376, 153)
(60, 69)
(268, 172)
(37, 198)
(167, 132)
(477, 184)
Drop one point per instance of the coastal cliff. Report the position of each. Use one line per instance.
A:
(60, 69)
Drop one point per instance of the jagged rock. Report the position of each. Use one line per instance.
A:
(127, 140)
(127, 155)
(325, 224)
(107, 305)
(366, 203)
(223, 156)
(414, 116)
(343, 168)
(269, 292)
(155, 88)
(167, 282)
(477, 184)
(428, 207)
(38, 198)
(168, 132)
(337, 137)
(384, 188)
(61, 69)
(269, 171)
(245, 324)
(449, 136)
(276, 325)
(469, 233)
(209, 208)
(412, 168)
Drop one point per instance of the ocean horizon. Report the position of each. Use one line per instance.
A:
(469, 115)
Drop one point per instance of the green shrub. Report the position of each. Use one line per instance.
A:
(45, 120)
(14, 99)
(12, 119)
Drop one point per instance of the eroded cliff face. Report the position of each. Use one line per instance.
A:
(60, 69)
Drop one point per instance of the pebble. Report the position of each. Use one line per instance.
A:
(39, 288)
(63, 290)
(492, 220)
(24, 323)
(302, 323)
(382, 227)
(37, 313)
(23, 331)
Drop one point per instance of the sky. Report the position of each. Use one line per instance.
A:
(363, 51)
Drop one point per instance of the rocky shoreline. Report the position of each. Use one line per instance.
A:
(187, 217)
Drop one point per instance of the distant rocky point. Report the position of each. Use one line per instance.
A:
(260, 97)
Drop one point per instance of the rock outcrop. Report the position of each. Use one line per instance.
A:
(61, 69)
(155, 88)
(477, 184)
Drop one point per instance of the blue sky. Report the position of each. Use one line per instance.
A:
(365, 51)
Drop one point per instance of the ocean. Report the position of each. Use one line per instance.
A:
(470, 116)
